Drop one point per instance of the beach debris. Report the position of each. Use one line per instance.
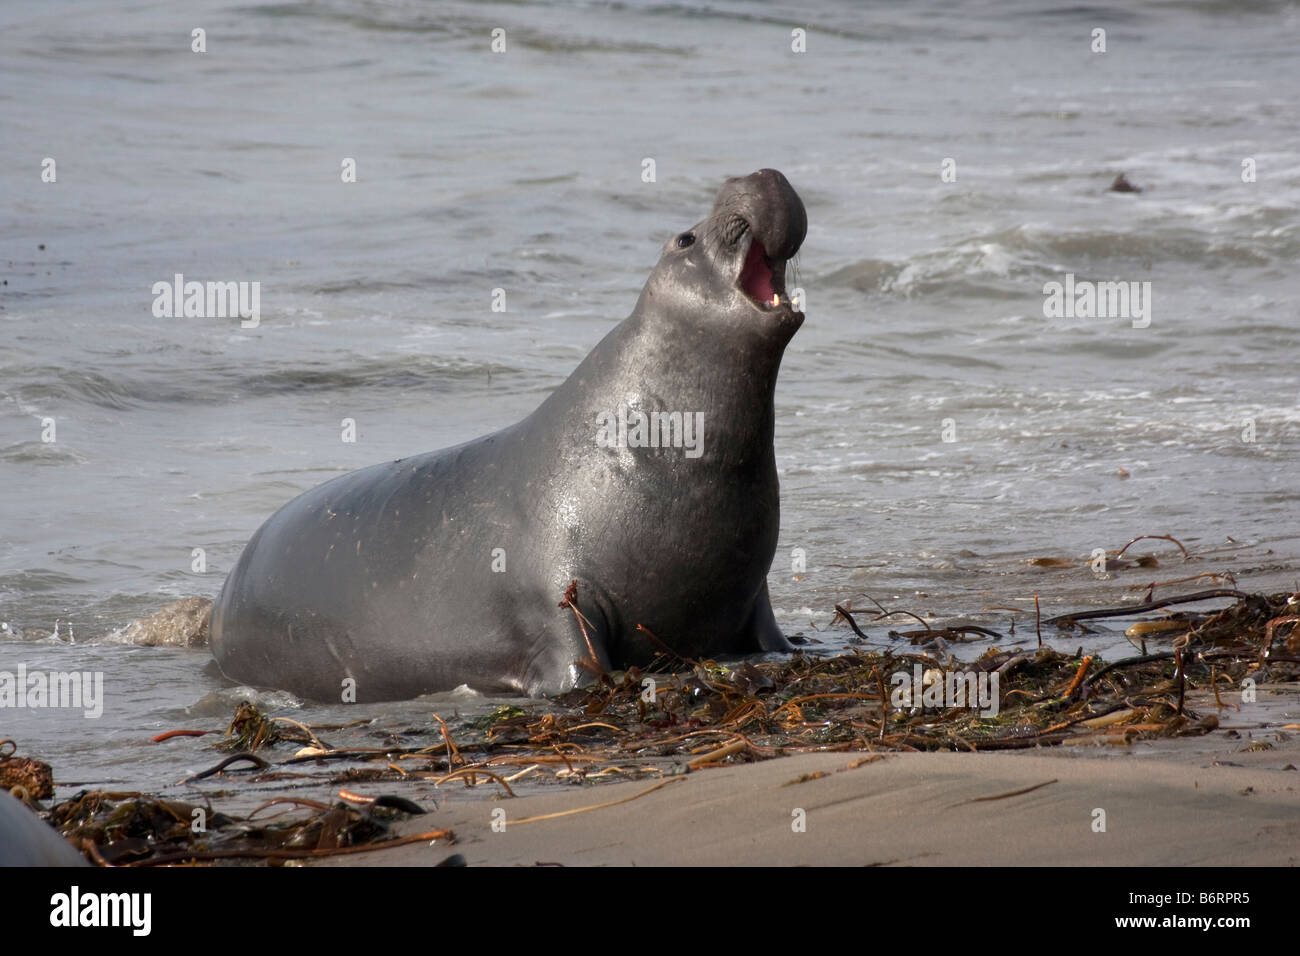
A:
(171, 734)
(1006, 796)
(26, 778)
(249, 730)
(133, 829)
(598, 806)
(255, 760)
(679, 716)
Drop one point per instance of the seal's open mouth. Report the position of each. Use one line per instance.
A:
(763, 279)
(760, 222)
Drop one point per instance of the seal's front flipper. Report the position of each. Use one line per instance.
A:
(762, 632)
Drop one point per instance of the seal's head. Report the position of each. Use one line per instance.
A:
(728, 272)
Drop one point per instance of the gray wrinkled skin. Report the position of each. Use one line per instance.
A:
(27, 840)
(385, 575)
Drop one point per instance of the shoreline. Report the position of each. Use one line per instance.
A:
(935, 809)
(1175, 802)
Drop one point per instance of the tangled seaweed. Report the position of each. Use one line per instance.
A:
(135, 829)
(24, 777)
(702, 714)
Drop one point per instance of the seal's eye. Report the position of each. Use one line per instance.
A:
(685, 239)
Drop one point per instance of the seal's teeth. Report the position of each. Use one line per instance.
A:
(776, 300)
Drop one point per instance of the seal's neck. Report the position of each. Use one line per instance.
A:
(654, 363)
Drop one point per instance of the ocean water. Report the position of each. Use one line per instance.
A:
(936, 430)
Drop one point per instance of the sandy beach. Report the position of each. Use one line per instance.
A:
(1187, 802)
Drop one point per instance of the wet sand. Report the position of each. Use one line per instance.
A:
(1180, 802)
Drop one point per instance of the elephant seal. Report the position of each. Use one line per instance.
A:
(640, 496)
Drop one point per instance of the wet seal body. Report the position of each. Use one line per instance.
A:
(27, 840)
(451, 567)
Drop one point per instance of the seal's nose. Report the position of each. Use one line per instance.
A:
(771, 207)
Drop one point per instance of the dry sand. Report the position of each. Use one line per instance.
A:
(1189, 801)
